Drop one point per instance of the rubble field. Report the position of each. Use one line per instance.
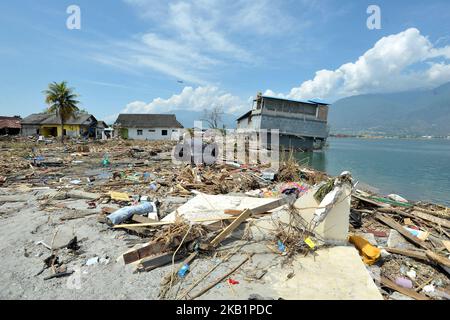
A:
(119, 219)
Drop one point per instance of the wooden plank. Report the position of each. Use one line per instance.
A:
(408, 292)
(152, 263)
(269, 206)
(405, 233)
(244, 216)
(143, 252)
(232, 226)
(232, 212)
(153, 248)
(428, 256)
(419, 255)
(446, 244)
(429, 217)
(438, 259)
(163, 223)
(418, 214)
(444, 214)
(142, 219)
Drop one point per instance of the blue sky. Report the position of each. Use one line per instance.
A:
(159, 56)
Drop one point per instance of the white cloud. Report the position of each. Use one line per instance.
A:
(195, 41)
(195, 99)
(402, 61)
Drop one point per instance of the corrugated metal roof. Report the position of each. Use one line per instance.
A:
(148, 121)
(10, 122)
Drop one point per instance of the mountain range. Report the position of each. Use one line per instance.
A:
(417, 112)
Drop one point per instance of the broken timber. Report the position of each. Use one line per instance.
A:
(408, 292)
(418, 214)
(244, 216)
(151, 263)
(152, 248)
(395, 225)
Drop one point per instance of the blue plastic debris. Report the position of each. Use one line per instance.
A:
(281, 246)
(182, 272)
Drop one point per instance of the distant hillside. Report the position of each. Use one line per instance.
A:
(423, 112)
(187, 118)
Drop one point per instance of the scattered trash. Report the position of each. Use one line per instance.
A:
(281, 246)
(411, 274)
(369, 253)
(183, 270)
(397, 198)
(119, 196)
(355, 219)
(92, 261)
(126, 213)
(404, 282)
(429, 288)
(310, 243)
(186, 212)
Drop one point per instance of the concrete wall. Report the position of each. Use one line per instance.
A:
(307, 128)
(29, 130)
(71, 130)
(253, 122)
(153, 134)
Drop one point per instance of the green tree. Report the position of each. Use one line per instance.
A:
(62, 101)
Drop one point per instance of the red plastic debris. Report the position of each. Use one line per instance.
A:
(233, 282)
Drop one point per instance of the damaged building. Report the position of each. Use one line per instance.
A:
(49, 125)
(10, 125)
(303, 125)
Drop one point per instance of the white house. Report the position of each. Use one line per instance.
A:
(148, 126)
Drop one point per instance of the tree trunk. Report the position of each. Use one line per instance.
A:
(62, 128)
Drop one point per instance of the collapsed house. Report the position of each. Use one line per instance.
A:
(302, 124)
(10, 125)
(148, 127)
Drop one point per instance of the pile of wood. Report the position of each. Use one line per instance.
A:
(427, 253)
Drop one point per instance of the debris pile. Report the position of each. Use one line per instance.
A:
(202, 227)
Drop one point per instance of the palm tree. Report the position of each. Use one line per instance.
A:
(62, 101)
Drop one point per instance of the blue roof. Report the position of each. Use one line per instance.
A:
(315, 101)
(319, 101)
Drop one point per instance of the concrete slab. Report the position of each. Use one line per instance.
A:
(336, 273)
(396, 240)
(205, 206)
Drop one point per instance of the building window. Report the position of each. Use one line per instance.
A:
(151, 130)
(174, 130)
(139, 132)
(164, 132)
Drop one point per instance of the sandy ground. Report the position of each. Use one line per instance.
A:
(24, 224)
